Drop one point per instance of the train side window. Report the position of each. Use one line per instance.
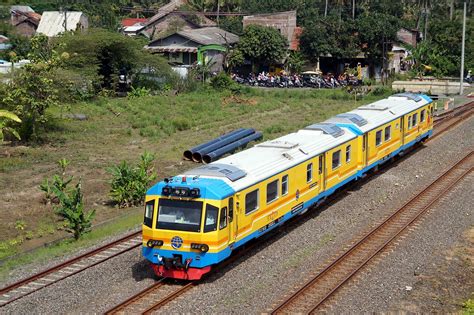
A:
(409, 122)
(320, 166)
(432, 110)
(223, 218)
(348, 154)
(415, 118)
(336, 159)
(309, 172)
(251, 201)
(388, 133)
(378, 137)
(284, 185)
(149, 208)
(211, 218)
(422, 115)
(231, 209)
(272, 191)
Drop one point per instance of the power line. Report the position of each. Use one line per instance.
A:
(183, 12)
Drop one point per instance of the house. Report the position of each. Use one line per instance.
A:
(54, 23)
(131, 26)
(408, 36)
(168, 19)
(202, 45)
(284, 22)
(4, 43)
(24, 20)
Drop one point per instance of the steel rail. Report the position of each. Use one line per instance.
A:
(330, 272)
(68, 268)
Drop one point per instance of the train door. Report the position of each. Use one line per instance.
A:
(321, 176)
(365, 149)
(233, 226)
(402, 129)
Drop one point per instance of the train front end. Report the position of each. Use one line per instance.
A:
(181, 238)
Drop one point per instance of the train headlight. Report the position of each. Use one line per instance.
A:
(154, 243)
(201, 247)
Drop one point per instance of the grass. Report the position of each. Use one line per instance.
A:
(122, 129)
(68, 246)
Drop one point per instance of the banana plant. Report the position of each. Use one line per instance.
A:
(5, 117)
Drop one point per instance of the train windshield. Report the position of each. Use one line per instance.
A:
(179, 215)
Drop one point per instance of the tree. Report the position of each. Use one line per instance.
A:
(295, 62)
(5, 118)
(100, 56)
(329, 35)
(262, 45)
(30, 93)
(71, 208)
(377, 32)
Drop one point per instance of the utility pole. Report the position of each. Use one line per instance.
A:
(326, 9)
(217, 12)
(451, 10)
(353, 9)
(462, 50)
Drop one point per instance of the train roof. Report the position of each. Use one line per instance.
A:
(268, 158)
(383, 111)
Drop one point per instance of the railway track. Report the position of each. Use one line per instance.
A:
(68, 268)
(317, 291)
(151, 299)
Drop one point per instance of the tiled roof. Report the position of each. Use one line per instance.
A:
(132, 21)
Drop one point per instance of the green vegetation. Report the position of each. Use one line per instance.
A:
(262, 45)
(58, 183)
(65, 246)
(71, 208)
(468, 307)
(129, 184)
(7, 117)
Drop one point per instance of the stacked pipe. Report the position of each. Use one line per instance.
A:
(214, 149)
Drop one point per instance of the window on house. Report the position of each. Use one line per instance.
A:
(348, 153)
(223, 218)
(378, 137)
(309, 172)
(388, 133)
(272, 191)
(422, 115)
(251, 201)
(284, 185)
(336, 159)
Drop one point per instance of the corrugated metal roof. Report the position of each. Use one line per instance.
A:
(274, 156)
(52, 22)
(210, 35)
(171, 49)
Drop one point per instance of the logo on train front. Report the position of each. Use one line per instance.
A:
(176, 242)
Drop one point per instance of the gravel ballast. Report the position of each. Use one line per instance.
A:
(258, 280)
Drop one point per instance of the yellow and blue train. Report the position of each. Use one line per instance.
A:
(195, 220)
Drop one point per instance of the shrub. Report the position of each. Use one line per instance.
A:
(222, 81)
(71, 208)
(138, 92)
(129, 183)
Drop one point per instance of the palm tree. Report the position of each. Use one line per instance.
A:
(5, 117)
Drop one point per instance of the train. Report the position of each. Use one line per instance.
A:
(195, 220)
